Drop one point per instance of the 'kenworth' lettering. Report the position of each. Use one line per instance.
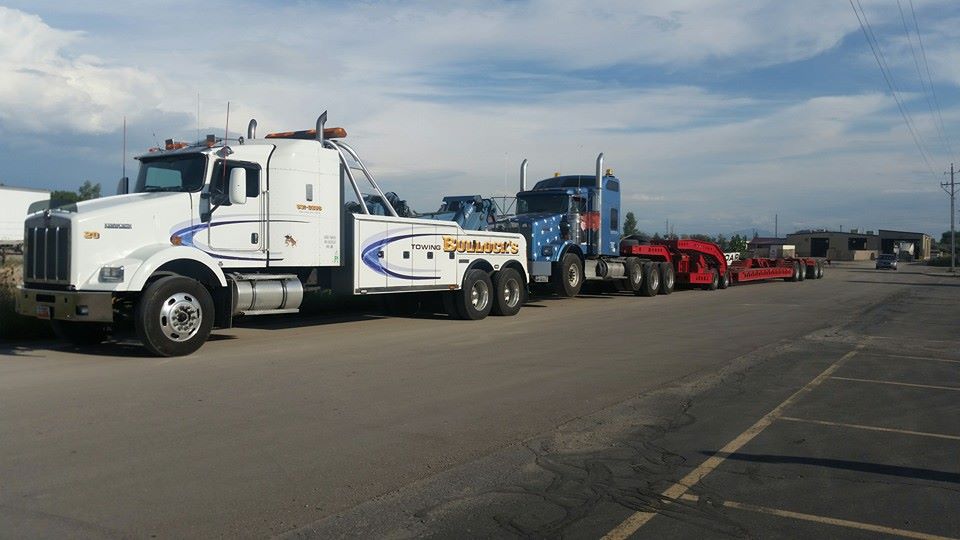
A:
(451, 243)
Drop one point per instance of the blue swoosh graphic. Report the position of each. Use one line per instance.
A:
(370, 258)
(187, 233)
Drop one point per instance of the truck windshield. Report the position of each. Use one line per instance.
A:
(172, 173)
(530, 204)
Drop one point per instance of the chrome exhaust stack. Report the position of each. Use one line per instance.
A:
(523, 175)
(599, 205)
(321, 121)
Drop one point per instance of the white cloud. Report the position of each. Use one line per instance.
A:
(44, 88)
(396, 75)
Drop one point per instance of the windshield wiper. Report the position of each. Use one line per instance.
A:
(157, 189)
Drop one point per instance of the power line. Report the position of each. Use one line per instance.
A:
(895, 89)
(952, 192)
(923, 84)
(933, 90)
(887, 77)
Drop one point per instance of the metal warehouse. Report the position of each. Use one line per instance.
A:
(859, 245)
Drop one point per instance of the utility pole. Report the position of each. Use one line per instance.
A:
(776, 225)
(952, 192)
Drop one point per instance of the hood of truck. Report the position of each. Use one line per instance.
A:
(103, 231)
(541, 229)
(129, 201)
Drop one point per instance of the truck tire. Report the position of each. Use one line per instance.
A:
(81, 334)
(651, 280)
(509, 293)
(724, 281)
(796, 272)
(811, 270)
(634, 275)
(174, 316)
(802, 274)
(819, 269)
(474, 300)
(668, 278)
(714, 280)
(568, 279)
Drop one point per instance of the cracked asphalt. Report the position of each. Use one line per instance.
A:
(569, 420)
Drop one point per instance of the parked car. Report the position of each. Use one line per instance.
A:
(887, 261)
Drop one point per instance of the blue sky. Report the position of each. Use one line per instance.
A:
(716, 114)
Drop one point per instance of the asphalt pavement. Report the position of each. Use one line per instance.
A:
(825, 407)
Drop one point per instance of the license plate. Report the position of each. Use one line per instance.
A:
(44, 312)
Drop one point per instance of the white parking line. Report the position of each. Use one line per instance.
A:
(824, 520)
(909, 357)
(872, 428)
(897, 383)
(675, 491)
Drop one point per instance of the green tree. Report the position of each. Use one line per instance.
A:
(89, 191)
(60, 198)
(721, 241)
(738, 243)
(630, 224)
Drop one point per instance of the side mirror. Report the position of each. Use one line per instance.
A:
(123, 187)
(238, 186)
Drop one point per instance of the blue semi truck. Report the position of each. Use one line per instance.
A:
(572, 227)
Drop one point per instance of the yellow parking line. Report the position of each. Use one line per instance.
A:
(675, 491)
(896, 383)
(872, 428)
(825, 520)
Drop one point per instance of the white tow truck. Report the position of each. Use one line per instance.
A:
(245, 226)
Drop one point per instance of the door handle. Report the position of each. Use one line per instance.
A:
(254, 238)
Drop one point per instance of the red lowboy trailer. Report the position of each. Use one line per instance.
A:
(699, 263)
(790, 269)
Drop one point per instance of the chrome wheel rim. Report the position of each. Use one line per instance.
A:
(573, 275)
(479, 296)
(654, 280)
(180, 317)
(511, 293)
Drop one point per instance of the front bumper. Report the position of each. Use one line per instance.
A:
(65, 305)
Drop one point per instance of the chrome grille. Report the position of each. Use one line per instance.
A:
(46, 257)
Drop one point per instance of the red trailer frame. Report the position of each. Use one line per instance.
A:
(695, 261)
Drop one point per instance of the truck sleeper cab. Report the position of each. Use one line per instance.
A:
(245, 227)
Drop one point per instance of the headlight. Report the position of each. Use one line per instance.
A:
(547, 251)
(111, 274)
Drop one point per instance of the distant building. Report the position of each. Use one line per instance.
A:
(773, 248)
(858, 245)
(899, 242)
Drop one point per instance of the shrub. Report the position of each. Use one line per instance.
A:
(13, 326)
